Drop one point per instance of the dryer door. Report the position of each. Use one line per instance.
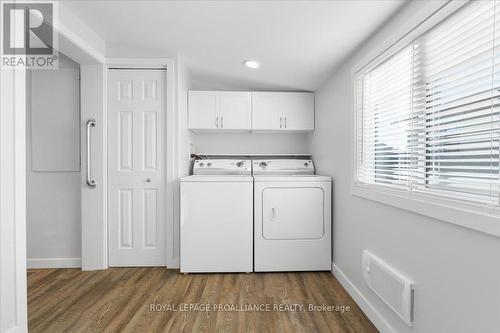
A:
(292, 213)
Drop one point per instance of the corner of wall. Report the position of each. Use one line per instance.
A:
(183, 83)
(77, 31)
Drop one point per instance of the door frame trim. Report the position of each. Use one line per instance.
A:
(170, 123)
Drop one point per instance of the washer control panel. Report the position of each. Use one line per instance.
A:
(283, 167)
(222, 167)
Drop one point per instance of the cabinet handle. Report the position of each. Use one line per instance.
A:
(273, 214)
(281, 122)
(285, 122)
(217, 122)
(221, 122)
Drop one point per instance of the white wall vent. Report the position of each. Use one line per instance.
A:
(396, 290)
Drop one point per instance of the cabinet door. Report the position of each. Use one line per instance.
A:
(298, 111)
(234, 110)
(283, 111)
(202, 109)
(267, 111)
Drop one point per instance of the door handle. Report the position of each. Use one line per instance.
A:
(148, 180)
(273, 214)
(217, 122)
(221, 122)
(90, 182)
(285, 122)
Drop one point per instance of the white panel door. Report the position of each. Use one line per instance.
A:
(234, 110)
(136, 168)
(292, 213)
(202, 110)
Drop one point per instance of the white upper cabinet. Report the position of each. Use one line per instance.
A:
(244, 111)
(202, 110)
(282, 111)
(220, 110)
(235, 110)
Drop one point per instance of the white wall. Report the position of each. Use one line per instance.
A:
(53, 197)
(456, 270)
(78, 33)
(251, 143)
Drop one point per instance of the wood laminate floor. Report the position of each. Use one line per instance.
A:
(119, 300)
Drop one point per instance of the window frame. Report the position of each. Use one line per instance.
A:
(476, 216)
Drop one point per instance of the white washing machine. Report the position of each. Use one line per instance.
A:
(292, 217)
(216, 217)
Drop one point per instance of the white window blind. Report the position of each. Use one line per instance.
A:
(429, 117)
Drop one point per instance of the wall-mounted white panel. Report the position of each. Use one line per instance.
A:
(53, 199)
(55, 119)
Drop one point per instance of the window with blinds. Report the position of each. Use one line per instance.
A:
(429, 115)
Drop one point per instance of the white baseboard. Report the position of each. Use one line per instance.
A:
(376, 318)
(54, 263)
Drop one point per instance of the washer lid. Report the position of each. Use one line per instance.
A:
(217, 178)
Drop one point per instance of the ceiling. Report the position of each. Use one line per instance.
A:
(298, 43)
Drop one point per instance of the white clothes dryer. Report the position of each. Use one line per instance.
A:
(292, 217)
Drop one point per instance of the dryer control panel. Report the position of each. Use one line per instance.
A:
(283, 167)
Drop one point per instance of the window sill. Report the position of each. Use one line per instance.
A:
(476, 217)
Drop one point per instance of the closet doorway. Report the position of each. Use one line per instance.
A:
(136, 167)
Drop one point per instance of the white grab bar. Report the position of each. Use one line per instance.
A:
(90, 182)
